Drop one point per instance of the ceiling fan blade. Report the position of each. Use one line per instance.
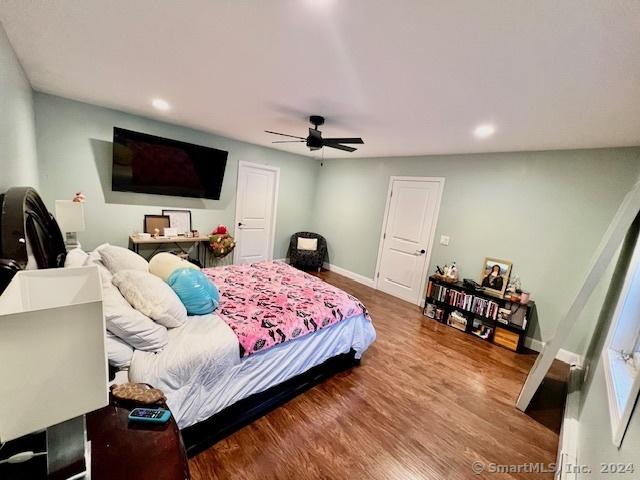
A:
(341, 147)
(284, 134)
(315, 133)
(344, 140)
(289, 141)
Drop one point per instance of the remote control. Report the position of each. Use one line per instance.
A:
(150, 415)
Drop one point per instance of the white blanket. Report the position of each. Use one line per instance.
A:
(201, 373)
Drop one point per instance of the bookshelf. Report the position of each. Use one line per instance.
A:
(490, 318)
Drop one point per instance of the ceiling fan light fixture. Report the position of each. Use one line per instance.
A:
(315, 141)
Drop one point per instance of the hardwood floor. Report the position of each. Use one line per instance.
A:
(426, 403)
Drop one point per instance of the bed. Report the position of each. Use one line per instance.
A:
(277, 332)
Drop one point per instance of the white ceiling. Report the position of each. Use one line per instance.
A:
(409, 76)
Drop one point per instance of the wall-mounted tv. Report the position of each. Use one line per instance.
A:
(148, 164)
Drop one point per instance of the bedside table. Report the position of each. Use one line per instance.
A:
(120, 450)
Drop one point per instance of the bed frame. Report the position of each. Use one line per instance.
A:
(23, 216)
(202, 435)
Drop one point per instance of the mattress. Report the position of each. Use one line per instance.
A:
(201, 372)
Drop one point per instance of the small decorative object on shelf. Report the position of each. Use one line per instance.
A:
(491, 318)
(79, 197)
(448, 273)
(221, 243)
(515, 285)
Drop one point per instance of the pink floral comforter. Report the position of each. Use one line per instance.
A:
(270, 303)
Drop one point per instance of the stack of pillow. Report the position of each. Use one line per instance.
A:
(138, 303)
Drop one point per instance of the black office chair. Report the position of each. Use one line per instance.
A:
(307, 259)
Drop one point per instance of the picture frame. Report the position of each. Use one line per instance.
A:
(151, 222)
(179, 219)
(494, 276)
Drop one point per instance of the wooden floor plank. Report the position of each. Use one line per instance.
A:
(426, 403)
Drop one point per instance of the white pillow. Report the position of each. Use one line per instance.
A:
(151, 296)
(307, 244)
(130, 325)
(124, 321)
(75, 258)
(164, 264)
(118, 258)
(118, 352)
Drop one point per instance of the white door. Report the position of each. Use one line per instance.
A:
(256, 200)
(407, 236)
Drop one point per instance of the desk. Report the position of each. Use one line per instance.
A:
(163, 242)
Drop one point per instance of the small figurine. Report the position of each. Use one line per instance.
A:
(220, 230)
(453, 272)
(515, 285)
(156, 232)
(79, 197)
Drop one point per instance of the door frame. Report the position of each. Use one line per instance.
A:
(272, 238)
(440, 181)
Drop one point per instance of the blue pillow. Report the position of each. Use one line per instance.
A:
(198, 294)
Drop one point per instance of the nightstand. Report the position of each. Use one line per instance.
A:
(120, 450)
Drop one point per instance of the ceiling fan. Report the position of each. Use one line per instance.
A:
(315, 141)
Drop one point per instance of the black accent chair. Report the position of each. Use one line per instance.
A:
(307, 259)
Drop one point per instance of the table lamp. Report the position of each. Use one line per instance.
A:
(53, 366)
(70, 218)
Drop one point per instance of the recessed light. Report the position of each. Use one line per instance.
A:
(160, 104)
(484, 131)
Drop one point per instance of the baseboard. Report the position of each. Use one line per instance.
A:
(369, 282)
(568, 443)
(563, 355)
(533, 344)
(341, 271)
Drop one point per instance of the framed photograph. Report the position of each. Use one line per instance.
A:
(179, 219)
(151, 222)
(495, 276)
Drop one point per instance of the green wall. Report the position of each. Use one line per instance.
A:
(74, 141)
(545, 211)
(594, 433)
(594, 444)
(18, 160)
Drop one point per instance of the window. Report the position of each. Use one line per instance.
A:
(621, 353)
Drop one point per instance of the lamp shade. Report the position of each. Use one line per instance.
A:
(70, 216)
(53, 365)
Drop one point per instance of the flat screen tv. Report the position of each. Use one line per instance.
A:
(148, 164)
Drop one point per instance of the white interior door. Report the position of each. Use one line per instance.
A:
(256, 201)
(407, 236)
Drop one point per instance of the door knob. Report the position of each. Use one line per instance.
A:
(421, 252)
(239, 224)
